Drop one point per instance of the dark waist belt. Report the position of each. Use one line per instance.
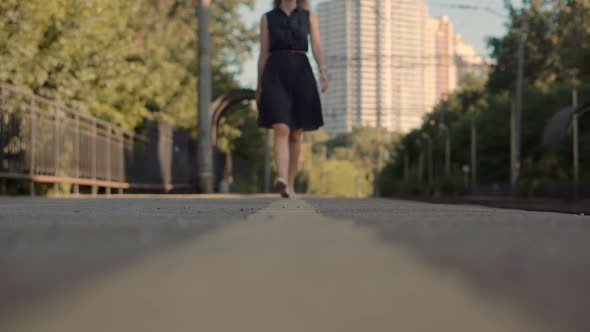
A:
(288, 52)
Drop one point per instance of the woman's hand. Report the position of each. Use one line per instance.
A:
(324, 80)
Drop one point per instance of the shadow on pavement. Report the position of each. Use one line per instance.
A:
(539, 261)
(48, 247)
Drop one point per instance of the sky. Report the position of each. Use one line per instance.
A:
(474, 26)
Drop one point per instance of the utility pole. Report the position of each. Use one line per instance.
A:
(575, 133)
(406, 164)
(376, 157)
(517, 114)
(513, 144)
(430, 162)
(421, 164)
(205, 154)
(447, 151)
(445, 128)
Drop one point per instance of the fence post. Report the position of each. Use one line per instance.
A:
(2, 130)
(576, 145)
(77, 154)
(32, 149)
(109, 138)
(94, 157)
(2, 134)
(121, 161)
(56, 142)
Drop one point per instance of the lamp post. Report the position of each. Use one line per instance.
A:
(517, 112)
(430, 168)
(473, 152)
(205, 154)
(430, 162)
(443, 126)
(420, 162)
(575, 133)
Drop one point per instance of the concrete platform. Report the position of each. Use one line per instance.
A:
(262, 264)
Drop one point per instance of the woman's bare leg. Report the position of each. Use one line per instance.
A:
(294, 152)
(281, 149)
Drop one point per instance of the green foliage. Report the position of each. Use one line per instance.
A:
(123, 61)
(557, 40)
(348, 167)
(342, 177)
(239, 135)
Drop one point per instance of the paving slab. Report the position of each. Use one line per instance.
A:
(262, 264)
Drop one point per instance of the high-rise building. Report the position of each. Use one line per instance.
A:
(357, 38)
(335, 17)
(410, 67)
(370, 46)
(446, 71)
(389, 62)
(430, 63)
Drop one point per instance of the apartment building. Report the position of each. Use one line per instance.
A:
(389, 62)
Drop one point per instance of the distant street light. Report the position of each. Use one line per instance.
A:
(420, 162)
(466, 169)
(473, 152)
(558, 126)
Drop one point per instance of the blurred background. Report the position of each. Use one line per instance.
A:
(426, 98)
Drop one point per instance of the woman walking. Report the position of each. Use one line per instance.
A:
(287, 92)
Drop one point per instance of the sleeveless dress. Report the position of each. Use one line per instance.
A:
(289, 89)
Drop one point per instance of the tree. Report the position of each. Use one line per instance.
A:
(557, 40)
(122, 61)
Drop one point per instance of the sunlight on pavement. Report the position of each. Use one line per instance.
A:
(287, 268)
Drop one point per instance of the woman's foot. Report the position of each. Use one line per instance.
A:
(281, 187)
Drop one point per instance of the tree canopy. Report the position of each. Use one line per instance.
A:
(557, 46)
(123, 61)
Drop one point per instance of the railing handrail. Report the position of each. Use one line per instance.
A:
(64, 108)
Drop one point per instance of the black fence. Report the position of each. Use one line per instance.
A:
(42, 141)
(541, 189)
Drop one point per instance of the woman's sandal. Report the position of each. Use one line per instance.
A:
(281, 187)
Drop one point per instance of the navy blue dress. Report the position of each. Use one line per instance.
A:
(289, 89)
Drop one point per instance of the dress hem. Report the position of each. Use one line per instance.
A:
(291, 126)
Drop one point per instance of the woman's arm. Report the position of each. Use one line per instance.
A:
(264, 47)
(318, 52)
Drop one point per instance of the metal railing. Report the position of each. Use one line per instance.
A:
(43, 141)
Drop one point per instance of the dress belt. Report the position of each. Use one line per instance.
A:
(288, 52)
